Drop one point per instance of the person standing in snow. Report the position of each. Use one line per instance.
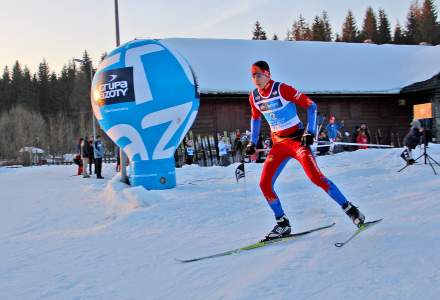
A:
(333, 130)
(223, 148)
(411, 140)
(277, 103)
(362, 138)
(189, 152)
(78, 159)
(85, 154)
(91, 155)
(98, 152)
(367, 132)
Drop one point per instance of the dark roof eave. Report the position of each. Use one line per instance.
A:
(423, 86)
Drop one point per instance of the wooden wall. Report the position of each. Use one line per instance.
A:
(230, 112)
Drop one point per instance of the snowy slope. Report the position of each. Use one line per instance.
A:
(222, 65)
(64, 237)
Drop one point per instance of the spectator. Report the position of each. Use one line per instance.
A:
(189, 152)
(223, 148)
(411, 140)
(85, 154)
(91, 155)
(367, 132)
(118, 159)
(362, 138)
(98, 152)
(323, 140)
(237, 147)
(77, 160)
(332, 130)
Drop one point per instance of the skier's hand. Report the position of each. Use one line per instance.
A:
(307, 139)
(250, 149)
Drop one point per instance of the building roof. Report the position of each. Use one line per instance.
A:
(223, 65)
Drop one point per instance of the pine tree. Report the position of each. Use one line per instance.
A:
(318, 31)
(258, 33)
(384, 31)
(429, 27)
(275, 37)
(5, 90)
(369, 28)
(300, 30)
(398, 37)
(17, 84)
(327, 28)
(66, 82)
(43, 88)
(349, 29)
(86, 66)
(412, 33)
(321, 29)
(29, 92)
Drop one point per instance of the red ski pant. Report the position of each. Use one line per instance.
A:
(277, 158)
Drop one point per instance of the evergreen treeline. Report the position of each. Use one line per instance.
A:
(421, 26)
(43, 109)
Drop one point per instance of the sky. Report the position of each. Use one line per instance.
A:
(59, 30)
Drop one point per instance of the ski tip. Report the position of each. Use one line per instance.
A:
(187, 260)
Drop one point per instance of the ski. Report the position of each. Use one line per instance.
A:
(257, 245)
(363, 227)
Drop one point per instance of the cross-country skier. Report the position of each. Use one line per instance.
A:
(277, 103)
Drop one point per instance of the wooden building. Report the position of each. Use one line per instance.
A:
(358, 83)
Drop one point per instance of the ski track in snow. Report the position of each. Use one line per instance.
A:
(64, 237)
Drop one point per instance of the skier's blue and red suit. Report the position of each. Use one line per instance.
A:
(277, 103)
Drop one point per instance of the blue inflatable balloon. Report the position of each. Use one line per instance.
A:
(145, 97)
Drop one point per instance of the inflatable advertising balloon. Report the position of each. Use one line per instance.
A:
(145, 97)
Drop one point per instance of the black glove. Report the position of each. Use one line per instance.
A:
(250, 149)
(307, 139)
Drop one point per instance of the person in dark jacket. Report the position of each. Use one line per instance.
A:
(77, 160)
(98, 153)
(323, 140)
(189, 152)
(411, 140)
(91, 155)
(85, 154)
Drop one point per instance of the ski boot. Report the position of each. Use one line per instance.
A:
(407, 157)
(280, 230)
(355, 215)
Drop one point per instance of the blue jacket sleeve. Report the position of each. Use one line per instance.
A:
(311, 118)
(340, 125)
(255, 130)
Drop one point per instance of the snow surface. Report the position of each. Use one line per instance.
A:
(66, 237)
(223, 65)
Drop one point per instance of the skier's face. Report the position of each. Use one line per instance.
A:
(260, 80)
(260, 77)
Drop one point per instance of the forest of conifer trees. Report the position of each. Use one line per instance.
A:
(421, 26)
(51, 111)
(45, 110)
